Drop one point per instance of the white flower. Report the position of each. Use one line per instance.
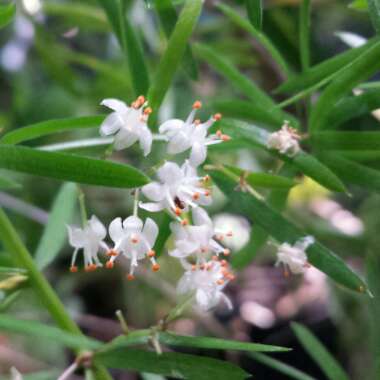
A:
(178, 189)
(294, 256)
(134, 240)
(207, 281)
(183, 135)
(286, 141)
(197, 239)
(128, 124)
(90, 239)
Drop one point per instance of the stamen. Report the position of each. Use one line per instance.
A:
(219, 133)
(206, 178)
(207, 193)
(156, 267)
(130, 277)
(226, 252)
(196, 196)
(230, 276)
(214, 258)
(193, 268)
(148, 111)
(109, 264)
(217, 116)
(111, 253)
(225, 137)
(140, 100)
(151, 253)
(184, 222)
(197, 105)
(220, 282)
(178, 211)
(73, 269)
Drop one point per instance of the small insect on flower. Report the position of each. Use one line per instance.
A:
(90, 239)
(286, 140)
(207, 281)
(178, 189)
(199, 239)
(128, 124)
(192, 134)
(294, 257)
(134, 240)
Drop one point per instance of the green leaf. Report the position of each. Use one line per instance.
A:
(172, 339)
(285, 369)
(271, 118)
(255, 13)
(360, 69)
(54, 236)
(241, 82)
(347, 140)
(7, 13)
(308, 164)
(360, 5)
(373, 275)
(285, 232)
(352, 172)
(49, 127)
(174, 52)
(374, 13)
(351, 107)
(259, 36)
(263, 180)
(39, 330)
(173, 364)
(70, 167)
(327, 69)
(130, 44)
(7, 183)
(330, 367)
(305, 9)
(168, 18)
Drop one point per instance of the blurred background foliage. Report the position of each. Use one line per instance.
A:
(60, 59)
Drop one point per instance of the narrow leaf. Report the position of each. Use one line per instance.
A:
(374, 13)
(304, 37)
(352, 172)
(7, 183)
(7, 13)
(284, 231)
(330, 367)
(277, 365)
(259, 36)
(346, 140)
(39, 330)
(168, 18)
(238, 80)
(69, 167)
(255, 13)
(173, 364)
(326, 69)
(360, 69)
(54, 236)
(49, 127)
(174, 52)
(172, 339)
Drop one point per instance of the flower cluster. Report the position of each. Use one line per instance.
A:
(179, 190)
(286, 140)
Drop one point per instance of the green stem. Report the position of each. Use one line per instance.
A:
(82, 206)
(13, 244)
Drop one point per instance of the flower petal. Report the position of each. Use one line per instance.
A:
(145, 139)
(133, 223)
(124, 139)
(152, 207)
(179, 143)
(171, 127)
(150, 231)
(201, 217)
(115, 104)
(187, 247)
(77, 237)
(153, 191)
(115, 230)
(178, 253)
(111, 124)
(97, 227)
(169, 172)
(198, 154)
